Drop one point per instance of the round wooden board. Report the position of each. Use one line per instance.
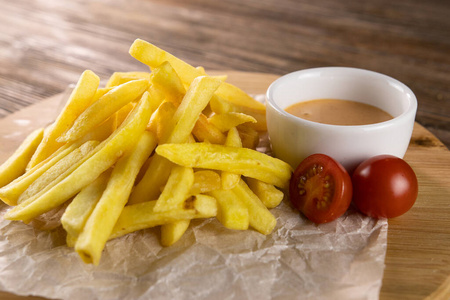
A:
(418, 252)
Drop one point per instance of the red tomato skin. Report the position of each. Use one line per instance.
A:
(342, 196)
(384, 186)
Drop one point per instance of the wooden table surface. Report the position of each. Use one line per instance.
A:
(45, 45)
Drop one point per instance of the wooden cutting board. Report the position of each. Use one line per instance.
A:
(418, 252)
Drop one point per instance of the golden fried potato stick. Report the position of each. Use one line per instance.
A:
(79, 100)
(104, 108)
(270, 196)
(196, 99)
(205, 181)
(16, 164)
(58, 169)
(141, 215)
(11, 192)
(229, 178)
(176, 189)
(172, 232)
(167, 80)
(99, 160)
(98, 228)
(226, 121)
(118, 78)
(247, 162)
(232, 212)
(260, 217)
(81, 207)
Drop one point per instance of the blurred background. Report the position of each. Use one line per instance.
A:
(45, 44)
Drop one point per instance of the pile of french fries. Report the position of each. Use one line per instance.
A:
(156, 148)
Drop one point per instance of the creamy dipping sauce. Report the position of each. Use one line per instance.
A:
(338, 112)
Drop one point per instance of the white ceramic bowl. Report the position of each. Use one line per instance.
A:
(293, 138)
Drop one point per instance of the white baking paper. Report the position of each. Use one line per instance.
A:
(343, 259)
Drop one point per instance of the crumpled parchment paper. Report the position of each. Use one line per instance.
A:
(343, 259)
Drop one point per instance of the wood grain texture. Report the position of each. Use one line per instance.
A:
(45, 44)
(418, 252)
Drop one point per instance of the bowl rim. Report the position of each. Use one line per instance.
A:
(411, 110)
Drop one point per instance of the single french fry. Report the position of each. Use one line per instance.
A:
(205, 131)
(205, 181)
(141, 215)
(179, 131)
(176, 189)
(154, 57)
(16, 164)
(260, 217)
(81, 207)
(98, 228)
(104, 108)
(11, 192)
(79, 100)
(269, 195)
(247, 162)
(226, 121)
(229, 178)
(101, 158)
(118, 78)
(165, 77)
(58, 169)
(232, 212)
(172, 232)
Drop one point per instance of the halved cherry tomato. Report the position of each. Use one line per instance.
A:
(320, 188)
(384, 186)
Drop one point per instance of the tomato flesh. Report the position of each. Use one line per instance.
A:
(320, 188)
(384, 186)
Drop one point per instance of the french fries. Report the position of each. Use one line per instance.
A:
(149, 149)
(244, 161)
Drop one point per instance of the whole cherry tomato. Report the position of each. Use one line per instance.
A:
(320, 188)
(384, 186)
